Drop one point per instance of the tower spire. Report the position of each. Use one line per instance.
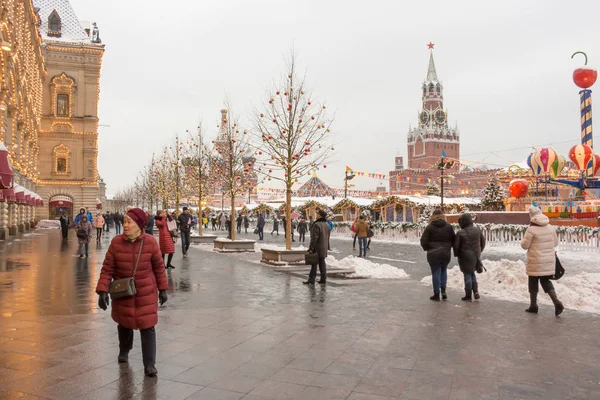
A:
(431, 72)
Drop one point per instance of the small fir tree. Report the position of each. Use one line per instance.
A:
(425, 215)
(433, 189)
(493, 195)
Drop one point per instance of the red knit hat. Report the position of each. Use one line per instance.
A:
(139, 217)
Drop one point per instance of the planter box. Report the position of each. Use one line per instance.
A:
(282, 257)
(204, 239)
(233, 246)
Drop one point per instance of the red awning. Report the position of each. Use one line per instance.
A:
(59, 203)
(20, 194)
(9, 195)
(6, 172)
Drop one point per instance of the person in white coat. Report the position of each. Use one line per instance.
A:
(540, 241)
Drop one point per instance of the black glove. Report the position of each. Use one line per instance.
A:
(162, 296)
(103, 300)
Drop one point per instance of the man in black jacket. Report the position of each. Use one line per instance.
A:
(319, 243)
(437, 240)
(184, 227)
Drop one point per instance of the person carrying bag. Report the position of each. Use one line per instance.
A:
(469, 243)
(133, 272)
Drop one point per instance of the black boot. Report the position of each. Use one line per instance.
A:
(558, 306)
(150, 370)
(309, 282)
(123, 356)
(467, 296)
(435, 297)
(533, 308)
(476, 290)
(444, 296)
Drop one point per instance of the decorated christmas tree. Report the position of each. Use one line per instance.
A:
(425, 215)
(433, 189)
(493, 195)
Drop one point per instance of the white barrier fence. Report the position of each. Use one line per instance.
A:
(586, 240)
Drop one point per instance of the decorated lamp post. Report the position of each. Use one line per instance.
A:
(584, 77)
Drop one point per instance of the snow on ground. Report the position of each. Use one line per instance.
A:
(507, 280)
(367, 269)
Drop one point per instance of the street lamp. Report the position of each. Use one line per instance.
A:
(346, 179)
(443, 165)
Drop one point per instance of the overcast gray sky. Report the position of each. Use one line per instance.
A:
(505, 67)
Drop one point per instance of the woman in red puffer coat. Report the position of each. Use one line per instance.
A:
(141, 310)
(167, 245)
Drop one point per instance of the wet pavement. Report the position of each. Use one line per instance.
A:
(234, 329)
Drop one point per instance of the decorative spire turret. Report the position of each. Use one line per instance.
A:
(431, 72)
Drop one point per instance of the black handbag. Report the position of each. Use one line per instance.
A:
(311, 258)
(559, 271)
(256, 231)
(121, 288)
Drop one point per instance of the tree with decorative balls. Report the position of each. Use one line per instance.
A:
(293, 133)
(493, 195)
(518, 188)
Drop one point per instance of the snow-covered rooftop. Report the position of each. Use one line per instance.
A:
(72, 30)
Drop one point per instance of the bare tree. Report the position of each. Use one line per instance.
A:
(291, 135)
(197, 158)
(231, 147)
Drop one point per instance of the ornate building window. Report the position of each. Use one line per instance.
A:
(62, 105)
(62, 88)
(61, 155)
(54, 25)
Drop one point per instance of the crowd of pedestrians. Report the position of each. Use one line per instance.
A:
(136, 253)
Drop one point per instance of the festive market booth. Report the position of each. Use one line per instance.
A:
(403, 208)
(350, 208)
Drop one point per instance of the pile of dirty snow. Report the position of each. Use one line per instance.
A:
(507, 280)
(367, 269)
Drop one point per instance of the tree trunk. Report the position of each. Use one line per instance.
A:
(288, 215)
(232, 214)
(200, 216)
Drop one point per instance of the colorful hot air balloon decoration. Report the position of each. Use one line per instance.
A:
(533, 165)
(597, 165)
(558, 165)
(518, 188)
(545, 157)
(582, 156)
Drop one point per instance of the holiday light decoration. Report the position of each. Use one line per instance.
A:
(294, 135)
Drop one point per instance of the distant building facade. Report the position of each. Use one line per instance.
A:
(68, 137)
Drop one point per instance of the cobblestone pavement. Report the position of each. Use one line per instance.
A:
(233, 329)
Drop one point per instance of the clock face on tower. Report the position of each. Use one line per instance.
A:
(440, 116)
(424, 117)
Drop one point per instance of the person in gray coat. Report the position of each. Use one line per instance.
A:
(469, 242)
(319, 243)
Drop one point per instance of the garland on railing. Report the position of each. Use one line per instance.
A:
(497, 228)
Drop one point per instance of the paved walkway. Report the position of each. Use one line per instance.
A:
(234, 329)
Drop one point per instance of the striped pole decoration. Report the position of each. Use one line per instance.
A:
(586, 117)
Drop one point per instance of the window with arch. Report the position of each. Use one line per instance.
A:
(61, 155)
(431, 88)
(62, 105)
(62, 88)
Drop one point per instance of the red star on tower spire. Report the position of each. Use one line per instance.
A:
(430, 45)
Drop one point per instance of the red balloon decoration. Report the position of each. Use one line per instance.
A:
(518, 188)
(585, 76)
(597, 165)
